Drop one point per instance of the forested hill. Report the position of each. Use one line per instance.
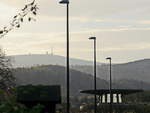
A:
(54, 74)
(137, 70)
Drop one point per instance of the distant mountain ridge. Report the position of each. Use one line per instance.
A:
(137, 70)
(45, 59)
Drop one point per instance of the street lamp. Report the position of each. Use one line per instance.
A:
(111, 97)
(64, 1)
(95, 100)
(67, 58)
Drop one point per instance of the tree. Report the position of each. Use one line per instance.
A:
(27, 12)
(7, 80)
(8, 102)
(6, 77)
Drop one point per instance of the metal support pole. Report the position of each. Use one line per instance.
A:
(110, 87)
(66, 2)
(101, 99)
(106, 98)
(111, 98)
(68, 71)
(117, 98)
(95, 101)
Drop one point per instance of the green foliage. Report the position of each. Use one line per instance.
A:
(11, 107)
(14, 107)
(8, 104)
(143, 97)
(36, 109)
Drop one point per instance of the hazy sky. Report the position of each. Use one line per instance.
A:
(122, 28)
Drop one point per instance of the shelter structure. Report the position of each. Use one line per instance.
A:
(48, 96)
(118, 94)
(118, 103)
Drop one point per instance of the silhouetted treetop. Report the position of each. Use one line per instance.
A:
(7, 80)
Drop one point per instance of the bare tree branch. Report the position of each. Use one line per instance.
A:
(28, 12)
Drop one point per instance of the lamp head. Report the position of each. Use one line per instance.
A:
(64, 1)
(108, 58)
(92, 38)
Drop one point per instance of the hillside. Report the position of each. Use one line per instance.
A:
(54, 75)
(44, 59)
(137, 70)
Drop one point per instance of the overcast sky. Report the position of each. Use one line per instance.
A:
(122, 28)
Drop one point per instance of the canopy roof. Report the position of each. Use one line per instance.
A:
(114, 91)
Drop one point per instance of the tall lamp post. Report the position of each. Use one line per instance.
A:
(95, 100)
(67, 58)
(110, 87)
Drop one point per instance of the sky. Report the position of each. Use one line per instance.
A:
(122, 29)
